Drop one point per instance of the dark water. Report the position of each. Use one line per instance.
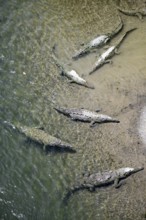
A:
(32, 183)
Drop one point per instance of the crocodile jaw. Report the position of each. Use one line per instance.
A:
(127, 171)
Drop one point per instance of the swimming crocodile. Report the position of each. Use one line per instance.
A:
(41, 137)
(99, 41)
(135, 12)
(104, 58)
(86, 115)
(94, 180)
(72, 75)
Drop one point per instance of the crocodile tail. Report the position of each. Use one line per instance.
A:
(80, 53)
(67, 196)
(130, 30)
(115, 120)
(67, 147)
(77, 55)
(127, 32)
(120, 9)
(93, 70)
(62, 110)
(117, 29)
(124, 11)
(58, 63)
(70, 192)
(58, 109)
(124, 35)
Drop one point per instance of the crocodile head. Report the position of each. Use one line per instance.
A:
(127, 171)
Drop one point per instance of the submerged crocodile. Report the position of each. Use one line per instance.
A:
(86, 115)
(99, 41)
(72, 75)
(135, 12)
(105, 57)
(91, 181)
(41, 137)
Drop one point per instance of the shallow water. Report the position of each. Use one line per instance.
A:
(33, 183)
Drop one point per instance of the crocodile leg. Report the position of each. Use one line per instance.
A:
(108, 61)
(62, 73)
(40, 127)
(118, 183)
(92, 124)
(91, 189)
(117, 52)
(139, 15)
(106, 40)
(72, 118)
(44, 147)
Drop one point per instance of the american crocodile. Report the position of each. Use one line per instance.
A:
(92, 181)
(41, 137)
(86, 115)
(72, 75)
(105, 57)
(135, 12)
(99, 41)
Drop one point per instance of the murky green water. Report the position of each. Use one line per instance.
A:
(33, 183)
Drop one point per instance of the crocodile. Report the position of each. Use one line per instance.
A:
(38, 135)
(105, 57)
(101, 179)
(135, 12)
(86, 115)
(72, 75)
(99, 41)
